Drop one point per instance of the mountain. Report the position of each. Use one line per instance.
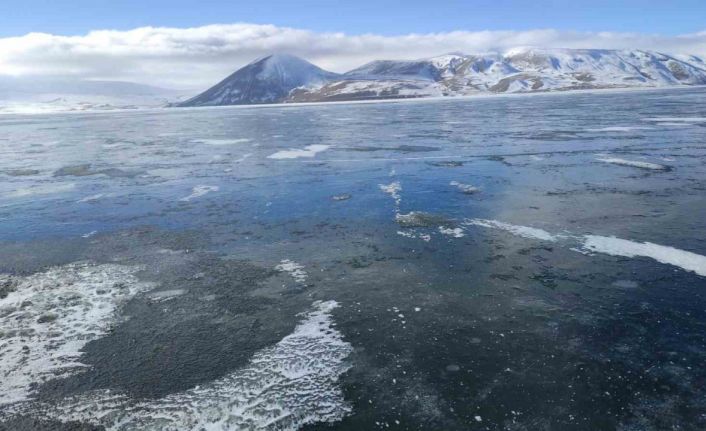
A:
(266, 80)
(286, 79)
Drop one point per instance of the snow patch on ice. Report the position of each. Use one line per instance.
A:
(677, 119)
(465, 188)
(523, 231)
(633, 163)
(43, 189)
(91, 198)
(165, 295)
(455, 232)
(294, 153)
(47, 318)
(393, 189)
(669, 255)
(619, 129)
(294, 269)
(415, 235)
(199, 191)
(284, 387)
(221, 141)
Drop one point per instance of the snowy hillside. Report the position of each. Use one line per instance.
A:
(284, 78)
(44, 95)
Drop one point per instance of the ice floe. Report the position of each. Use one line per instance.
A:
(294, 153)
(199, 191)
(294, 269)
(47, 318)
(284, 387)
(633, 163)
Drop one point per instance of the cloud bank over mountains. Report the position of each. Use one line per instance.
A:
(195, 58)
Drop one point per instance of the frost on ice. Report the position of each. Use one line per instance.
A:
(284, 387)
(47, 318)
(294, 269)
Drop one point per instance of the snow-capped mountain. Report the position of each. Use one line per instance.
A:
(265, 80)
(282, 78)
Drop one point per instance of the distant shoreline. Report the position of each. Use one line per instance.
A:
(431, 99)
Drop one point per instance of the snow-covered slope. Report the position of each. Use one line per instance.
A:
(289, 79)
(266, 80)
(41, 94)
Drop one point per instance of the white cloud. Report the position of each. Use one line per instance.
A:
(198, 57)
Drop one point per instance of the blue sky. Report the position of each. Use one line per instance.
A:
(385, 17)
(191, 44)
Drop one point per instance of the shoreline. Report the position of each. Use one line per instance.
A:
(481, 96)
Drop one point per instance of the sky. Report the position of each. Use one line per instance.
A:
(71, 17)
(191, 44)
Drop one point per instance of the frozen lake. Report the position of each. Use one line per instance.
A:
(519, 263)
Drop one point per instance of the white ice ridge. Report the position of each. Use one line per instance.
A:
(47, 318)
(294, 153)
(294, 269)
(199, 191)
(523, 231)
(633, 163)
(661, 253)
(284, 387)
(613, 246)
(393, 190)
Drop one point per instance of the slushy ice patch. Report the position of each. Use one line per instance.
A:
(285, 386)
(47, 318)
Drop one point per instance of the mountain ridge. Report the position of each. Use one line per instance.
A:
(282, 78)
